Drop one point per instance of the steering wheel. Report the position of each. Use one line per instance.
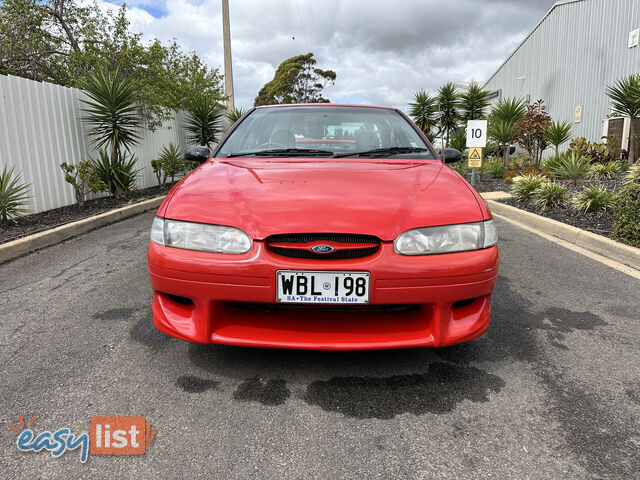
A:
(271, 145)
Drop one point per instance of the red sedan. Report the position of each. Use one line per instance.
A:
(328, 227)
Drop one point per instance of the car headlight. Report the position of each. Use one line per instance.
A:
(447, 239)
(199, 236)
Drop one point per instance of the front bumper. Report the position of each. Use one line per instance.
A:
(435, 300)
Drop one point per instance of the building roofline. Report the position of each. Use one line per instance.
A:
(553, 7)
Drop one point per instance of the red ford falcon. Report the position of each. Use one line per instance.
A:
(325, 226)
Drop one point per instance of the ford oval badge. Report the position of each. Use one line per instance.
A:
(322, 249)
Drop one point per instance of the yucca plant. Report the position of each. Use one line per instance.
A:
(593, 199)
(625, 98)
(119, 177)
(14, 196)
(234, 115)
(459, 141)
(600, 171)
(172, 161)
(572, 167)
(448, 114)
(113, 112)
(509, 110)
(503, 132)
(203, 121)
(473, 102)
(550, 195)
(558, 133)
(553, 163)
(524, 187)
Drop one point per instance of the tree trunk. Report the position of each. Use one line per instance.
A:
(632, 143)
(557, 150)
(505, 155)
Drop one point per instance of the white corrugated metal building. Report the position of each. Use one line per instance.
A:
(577, 49)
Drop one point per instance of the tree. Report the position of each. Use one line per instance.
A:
(557, 133)
(65, 41)
(625, 98)
(508, 109)
(236, 114)
(14, 196)
(502, 132)
(297, 80)
(473, 103)
(448, 115)
(113, 113)
(424, 112)
(203, 121)
(531, 131)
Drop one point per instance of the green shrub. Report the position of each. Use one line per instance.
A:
(14, 196)
(169, 164)
(553, 163)
(550, 195)
(460, 167)
(593, 199)
(82, 177)
(627, 214)
(600, 171)
(524, 187)
(572, 167)
(496, 168)
(119, 177)
(633, 175)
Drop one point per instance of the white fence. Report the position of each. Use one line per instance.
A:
(41, 126)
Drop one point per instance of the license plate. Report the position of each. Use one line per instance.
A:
(294, 286)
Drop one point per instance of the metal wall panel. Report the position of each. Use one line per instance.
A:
(578, 49)
(41, 126)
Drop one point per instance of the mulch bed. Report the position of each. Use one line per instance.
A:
(39, 222)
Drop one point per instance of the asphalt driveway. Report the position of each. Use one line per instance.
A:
(551, 391)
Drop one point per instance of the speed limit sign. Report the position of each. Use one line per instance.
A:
(477, 133)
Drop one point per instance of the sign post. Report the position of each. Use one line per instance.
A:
(476, 141)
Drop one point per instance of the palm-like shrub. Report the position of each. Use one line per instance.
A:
(524, 187)
(503, 132)
(553, 163)
(572, 167)
(459, 141)
(119, 177)
(424, 111)
(203, 121)
(600, 171)
(508, 109)
(448, 115)
(172, 161)
(558, 133)
(473, 102)
(625, 98)
(236, 114)
(593, 199)
(550, 195)
(14, 196)
(113, 112)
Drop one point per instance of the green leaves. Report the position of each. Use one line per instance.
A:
(558, 133)
(625, 95)
(508, 110)
(593, 200)
(112, 111)
(448, 103)
(116, 177)
(203, 121)
(627, 214)
(473, 103)
(14, 196)
(297, 80)
(234, 115)
(424, 111)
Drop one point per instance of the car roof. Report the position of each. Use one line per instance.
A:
(323, 105)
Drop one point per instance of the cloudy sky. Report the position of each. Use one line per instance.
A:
(381, 51)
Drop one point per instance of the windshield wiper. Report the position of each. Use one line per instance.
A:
(376, 152)
(277, 152)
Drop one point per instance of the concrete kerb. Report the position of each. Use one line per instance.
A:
(598, 244)
(22, 246)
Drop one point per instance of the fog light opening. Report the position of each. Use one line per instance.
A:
(180, 300)
(464, 303)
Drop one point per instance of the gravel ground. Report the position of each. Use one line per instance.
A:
(54, 218)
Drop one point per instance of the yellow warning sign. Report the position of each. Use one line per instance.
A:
(475, 157)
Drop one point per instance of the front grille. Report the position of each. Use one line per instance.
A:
(301, 307)
(347, 245)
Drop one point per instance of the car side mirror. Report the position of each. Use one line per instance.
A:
(197, 154)
(450, 155)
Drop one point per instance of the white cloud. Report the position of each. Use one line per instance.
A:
(382, 51)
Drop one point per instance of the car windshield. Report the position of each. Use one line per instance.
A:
(325, 131)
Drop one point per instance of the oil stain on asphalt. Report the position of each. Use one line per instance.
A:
(439, 390)
(114, 314)
(270, 392)
(192, 384)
